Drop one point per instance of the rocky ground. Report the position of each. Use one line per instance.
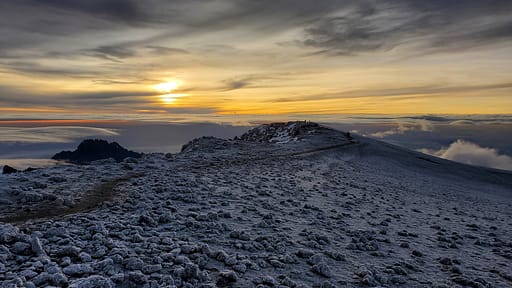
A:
(311, 208)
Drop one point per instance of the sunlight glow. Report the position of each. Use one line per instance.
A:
(167, 87)
(170, 98)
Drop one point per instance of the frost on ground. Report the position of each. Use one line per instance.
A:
(315, 208)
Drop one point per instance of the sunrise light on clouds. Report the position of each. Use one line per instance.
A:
(242, 57)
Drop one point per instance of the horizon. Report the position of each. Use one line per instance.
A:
(475, 140)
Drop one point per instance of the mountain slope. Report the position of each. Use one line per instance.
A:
(321, 209)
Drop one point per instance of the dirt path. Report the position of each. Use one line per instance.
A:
(90, 200)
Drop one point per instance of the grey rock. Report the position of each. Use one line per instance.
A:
(322, 269)
(8, 233)
(149, 269)
(21, 248)
(230, 261)
(37, 247)
(85, 257)
(304, 253)
(138, 278)
(266, 280)
(93, 282)
(316, 259)
(28, 274)
(226, 278)
(41, 279)
(78, 270)
(71, 251)
(240, 268)
(134, 264)
(59, 280)
(191, 271)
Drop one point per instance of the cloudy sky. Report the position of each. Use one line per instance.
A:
(184, 59)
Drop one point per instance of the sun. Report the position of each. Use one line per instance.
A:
(167, 87)
(170, 98)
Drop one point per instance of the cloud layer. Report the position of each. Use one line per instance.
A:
(52, 134)
(473, 154)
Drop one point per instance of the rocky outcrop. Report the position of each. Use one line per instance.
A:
(282, 132)
(205, 144)
(9, 170)
(92, 150)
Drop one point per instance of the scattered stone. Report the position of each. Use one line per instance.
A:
(304, 253)
(28, 274)
(76, 270)
(138, 278)
(71, 251)
(266, 280)
(149, 269)
(134, 264)
(21, 248)
(445, 261)
(85, 257)
(226, 278)
(322, 269)
(191, 271)
(37, 247)
(93, 282)
(8, 233)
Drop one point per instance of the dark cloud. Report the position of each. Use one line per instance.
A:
(160, 50)
(111, 52)
(333, 27)
(116, 82)
(261, 80)
(430, 26)
(121, 10)
(237, 84)
(412, 92)
(13, 97)
(34, 67)
(131, 101)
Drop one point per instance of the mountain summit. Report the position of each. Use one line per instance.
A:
(283, 132)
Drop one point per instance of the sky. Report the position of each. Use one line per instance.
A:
(222, 59)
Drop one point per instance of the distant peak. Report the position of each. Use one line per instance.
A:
(95, 149)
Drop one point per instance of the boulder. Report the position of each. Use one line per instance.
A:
(9, 170)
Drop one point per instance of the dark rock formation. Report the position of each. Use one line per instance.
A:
(8, 170)
(92, 150)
